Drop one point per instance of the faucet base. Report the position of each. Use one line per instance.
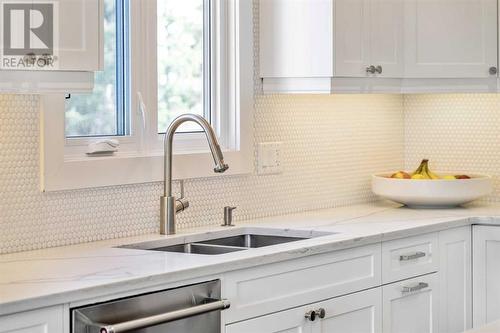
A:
(167, 215)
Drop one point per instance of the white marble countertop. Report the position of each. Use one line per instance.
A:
(35, 279)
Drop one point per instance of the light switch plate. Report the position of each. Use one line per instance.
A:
(269, 158)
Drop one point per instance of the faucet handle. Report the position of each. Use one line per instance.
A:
(181, 186)
(228, 216)
(181, 204)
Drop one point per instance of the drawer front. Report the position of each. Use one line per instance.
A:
(355, 313)
(47, 320)
(271, 288)
(411, 305)
(409, 257)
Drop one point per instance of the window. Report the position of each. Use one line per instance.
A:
(161, 59)
(105, 112)
(183, 61)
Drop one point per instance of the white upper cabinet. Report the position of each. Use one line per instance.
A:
(61, 35)
(51, 46)
(368, 38)
(80, 35)
(402, 46)
(450, 38)
(295, 39)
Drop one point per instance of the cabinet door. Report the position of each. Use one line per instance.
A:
(80, 28)
(351, 42)
(302, 281)
(450, 39)
(64, 35)
(47, 320)
(455, 265)
(411, 306)
(366, 33)
(386, 37)
(356, 313)
(290, 321)
(486, 274)
(296, 39)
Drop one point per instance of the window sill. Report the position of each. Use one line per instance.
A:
(126, 169)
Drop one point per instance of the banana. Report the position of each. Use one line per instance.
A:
(420, 168)
(423, 172)
(431, 174)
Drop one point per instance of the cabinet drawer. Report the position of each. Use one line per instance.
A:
(355, 313)
(271, 288)
(409, 257)
(411, 305)
(47, 320)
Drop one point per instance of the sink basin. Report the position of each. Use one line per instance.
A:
(198, 249)
(253, 241)
(227, 241)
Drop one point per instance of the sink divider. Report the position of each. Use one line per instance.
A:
(215, 246)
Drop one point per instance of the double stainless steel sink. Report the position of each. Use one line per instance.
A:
(222, 242)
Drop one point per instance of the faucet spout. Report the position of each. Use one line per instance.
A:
(170, 206)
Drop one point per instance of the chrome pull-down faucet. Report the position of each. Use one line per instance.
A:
(170, 205)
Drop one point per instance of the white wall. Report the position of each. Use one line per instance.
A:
(331, 146)
(457, 132)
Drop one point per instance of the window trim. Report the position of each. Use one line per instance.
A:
(64, 166)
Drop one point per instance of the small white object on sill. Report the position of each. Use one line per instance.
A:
(105, 147)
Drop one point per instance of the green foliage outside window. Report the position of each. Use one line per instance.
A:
(95, 114)
(180, 72)
(180, 60)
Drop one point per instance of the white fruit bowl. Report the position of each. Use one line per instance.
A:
(432, 193)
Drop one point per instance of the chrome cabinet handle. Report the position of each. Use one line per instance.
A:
(314, 314)
(160, 319)
(371, 69)
(45, 60)
(30, 58)
(493, 70)
(374, 69)
(311, 315)
(412, 289)
(413, 256)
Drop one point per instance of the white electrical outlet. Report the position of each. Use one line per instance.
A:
(269, 158)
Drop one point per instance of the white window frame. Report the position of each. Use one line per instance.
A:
(64, 164)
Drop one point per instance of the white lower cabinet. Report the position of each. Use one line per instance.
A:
(411, 306)
(47, 320)
(272, 288)
(455, 280)
(486, 276)
(290, 321)
(357, 313)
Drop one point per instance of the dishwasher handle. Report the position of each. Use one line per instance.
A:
(163, 318)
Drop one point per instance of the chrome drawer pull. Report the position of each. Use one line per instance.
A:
(414, 256)
(161, 318)
(412, 289)
(371, 69)
(314, 314)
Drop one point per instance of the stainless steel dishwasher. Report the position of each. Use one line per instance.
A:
(194, 309)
